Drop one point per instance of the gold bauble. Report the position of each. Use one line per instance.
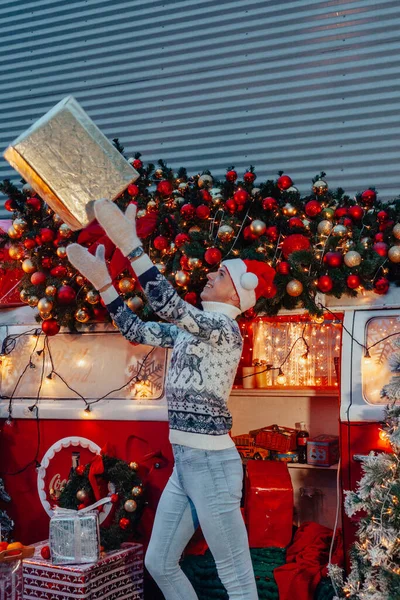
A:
(394, 254)
(135, 303)
(50, 290)
(61, 252)
(318, 319)
(339, 231)
(151, 205)
(225, 233)
(396, 231)
(294, 288)
(28, 266)
(46, 316)
(23, 295)
(45, 305)
(33, 300)
(347, 245)
(194, 263)
(320, 187)
(324, 227)
(159, 173)
(28, 189)
(292, 190)
(82, 315)
(130, 506)
(162, 268)
(133, 466)
(92, 297)
(141, 213)
(13, 233)
(136, 491)
(15, 252)
(327, 213)
(82, 495)
(20, 225)
(80, 280)
(64, 230)
(126, 285)
(182, 278)
(289, 210)
(258, 227)
(205, 181)
(57, 220)
(352, 259)
(255, 191)
(194, 229)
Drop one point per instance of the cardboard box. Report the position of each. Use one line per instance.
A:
(116, 576)
(268, 504)
(70, 163)
(323, 450)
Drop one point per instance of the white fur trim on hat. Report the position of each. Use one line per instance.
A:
(245, 282)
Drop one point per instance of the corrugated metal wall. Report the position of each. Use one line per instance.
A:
(298, 86)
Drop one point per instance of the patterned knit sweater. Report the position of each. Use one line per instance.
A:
(207, 346)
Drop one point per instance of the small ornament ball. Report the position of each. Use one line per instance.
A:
(313, 208)
(133, 466)
(225, 233)
(66, 294)
(325, 284)
(284, 182)
(339, 231)
(205, 181)
(82, 495)
(80, 469)
(353, 281)
(381, 286)
(212, 256)
(356, 212)
(124, 523)
(269, 203)
(44, 305)
(82, 315)
(28, 266)
(45, 552)
(294, 288)
(394, 254)
(320, 187)
(381, 248)
(324, 227)
(352, 259)
(283, 268)
(130, 506)
(135, 303)
(333, 260)
(231, 175)
(396, 231)
(258, 227)
(136, 491)
(368, 197)
(38, 278)
(126, 285)
(182, 278)
(161, 243)
(289, 210)
(50, 327)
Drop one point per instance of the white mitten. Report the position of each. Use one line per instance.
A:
(94, 268)
(120, 227)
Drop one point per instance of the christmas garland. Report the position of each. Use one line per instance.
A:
(324, 242)
(89, 483)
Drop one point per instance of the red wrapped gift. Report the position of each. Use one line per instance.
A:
(116, 576)
(323, 450)
(268, 504)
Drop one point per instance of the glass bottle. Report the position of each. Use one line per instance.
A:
(302, 438)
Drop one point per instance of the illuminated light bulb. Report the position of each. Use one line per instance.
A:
(281, 377)
(87, 411)
(383, 435)
(303, 358)
(49, 376)
(81, 362)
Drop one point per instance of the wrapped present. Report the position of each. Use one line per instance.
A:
(268, 504)
(74, 537)
(11, 580)
(323, 450)
(70, 163)
(274, 437)
(118, 575)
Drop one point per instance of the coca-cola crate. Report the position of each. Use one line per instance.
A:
(273, 437)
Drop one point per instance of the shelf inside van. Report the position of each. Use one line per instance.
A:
(305, 466)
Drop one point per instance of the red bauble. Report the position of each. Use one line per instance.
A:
(353, 281)
(270, 291)
(381, 248)
(100, 313)
(296, 222)
(231, 206)
(59, 271)
(240, 197)
(382, 216)
(293, 243)
(340, 212)
(381, 286)
(160, 242)
(34, 203)
(187, 211)
(133, 190)
(114, 498)
(283, 268)
(81, 506)
(184, 262)
(38, 278)
(378, 237)
(272, 233)
(205, 194)
(137, 163)
(45, 552)
(66, 294)
(29, 243)
(347, 222)
(269, 203)
(50, 327)
(191, 298)
(312, 208)
(80, 469)
(248, 235)
(386, 225)
(164, 187)
(284, 182)
(47, 262)
(202, 212)
(47, 235)
(124, 523)
(10, 205)
(325, 284)
(368, 197)
(356, 212)
(231, 175)
(181, 239)
(212, 256)
(333, 260)
(249, 177)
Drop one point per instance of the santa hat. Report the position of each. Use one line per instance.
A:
(251, 278)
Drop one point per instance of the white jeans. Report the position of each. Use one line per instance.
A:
(205, 487)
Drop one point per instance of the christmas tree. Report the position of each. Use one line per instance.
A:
(6, 524)
(375, 557)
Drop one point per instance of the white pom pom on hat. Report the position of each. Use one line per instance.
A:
(249, 281)
(251, 278)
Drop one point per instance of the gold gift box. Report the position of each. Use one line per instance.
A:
(70, 163)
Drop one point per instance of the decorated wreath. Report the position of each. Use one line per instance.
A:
(115, 478)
